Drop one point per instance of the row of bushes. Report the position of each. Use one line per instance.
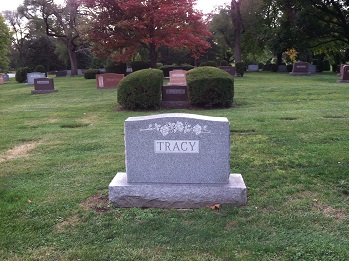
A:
(206, 86)
(21, 73)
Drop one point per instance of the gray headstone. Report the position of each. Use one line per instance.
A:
(34, 75)
(253, 68)
(300, 68)
(177, 148)
(177, 160)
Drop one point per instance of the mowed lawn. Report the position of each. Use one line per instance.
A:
(289, 140)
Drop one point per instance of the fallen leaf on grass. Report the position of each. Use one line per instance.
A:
(215, 206)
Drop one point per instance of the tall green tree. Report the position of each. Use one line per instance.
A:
(60, 21)
(5, 41)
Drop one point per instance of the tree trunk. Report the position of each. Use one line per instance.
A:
(73, 59)
(153, 55)
(238, 28)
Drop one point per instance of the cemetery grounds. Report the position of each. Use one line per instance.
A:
(289, 140)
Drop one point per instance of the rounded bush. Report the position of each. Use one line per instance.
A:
(224, 63)
(91, 73)
(21, 74)
(40, 68)
(209, 63)
(240, 68)
(141, 89)
(209, 86)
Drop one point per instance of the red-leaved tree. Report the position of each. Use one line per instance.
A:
(119, 28)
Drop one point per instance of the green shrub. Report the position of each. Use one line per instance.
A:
(209, 86)
(91, 73)
(141, 89)
(224, 63)
(240, 68)
(40, 69)
(21, 74)
(209, 63)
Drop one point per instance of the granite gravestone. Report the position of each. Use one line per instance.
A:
(43, 85)
(229, 69)
(344, 74)
(177, 161)
(2, 78)
(177, 77)
(34, 75)
(300, 68)
(341, 69)
(61, 73)
(108, 80)
(176, 90)
(253, 68)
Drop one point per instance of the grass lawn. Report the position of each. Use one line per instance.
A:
(289, 140)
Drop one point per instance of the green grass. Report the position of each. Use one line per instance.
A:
(289, 140)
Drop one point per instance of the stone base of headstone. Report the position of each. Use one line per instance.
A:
(300, 74)
(343, 81)
(156, 195)
(43, 91)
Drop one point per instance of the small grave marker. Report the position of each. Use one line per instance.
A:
(177, 77)
(253, 68)
(2, 78)
(34, 75)
(300, 68)
(229, 69)
(43, 85)
(108, 80)
(344, 74)
(177, 161)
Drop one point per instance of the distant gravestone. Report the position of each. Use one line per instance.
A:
(341, 69)
(34, 75)
(312, 68)
(300, 68)
(61, 73)
(43, 85)
(253, 68)
(177, 161)
(6, 77)
(344, 74)
(282, 68)
(108, 80)
(2, 78)
(177, 77)
(229, 69)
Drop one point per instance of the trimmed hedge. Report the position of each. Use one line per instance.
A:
(41, 69)
(141, 89)
(240, 68)
(21, 74)
(210, 86)
(91, 73)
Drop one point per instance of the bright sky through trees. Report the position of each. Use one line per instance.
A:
(204, 5)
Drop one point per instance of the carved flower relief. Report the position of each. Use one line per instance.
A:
(174, 127)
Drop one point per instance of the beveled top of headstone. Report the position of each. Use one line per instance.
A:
(177, 148)
(176, 115)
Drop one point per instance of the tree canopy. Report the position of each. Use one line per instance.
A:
(5, 41)
(119, 28)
